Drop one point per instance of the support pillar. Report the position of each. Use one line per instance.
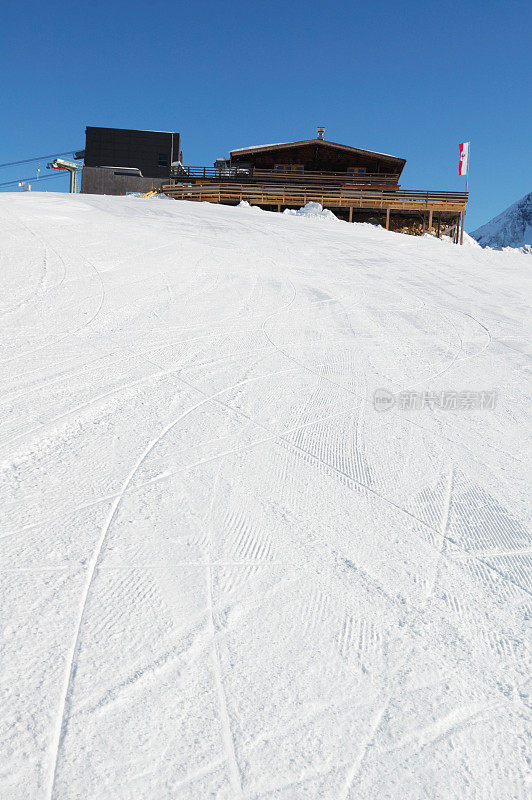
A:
(387, 219)
(350, 213)
(430, 220)
(439, 226)
(68, 166)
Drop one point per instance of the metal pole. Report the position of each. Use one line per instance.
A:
(467, 192)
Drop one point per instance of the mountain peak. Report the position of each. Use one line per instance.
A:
(511, 228)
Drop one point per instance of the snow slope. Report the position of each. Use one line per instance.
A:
(224, 574)
(512, 228)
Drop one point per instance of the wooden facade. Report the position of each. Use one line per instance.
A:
(318, 155)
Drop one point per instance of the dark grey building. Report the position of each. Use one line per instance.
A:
(117, 160)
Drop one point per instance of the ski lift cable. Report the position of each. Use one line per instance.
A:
(37, 158)
(32, 178)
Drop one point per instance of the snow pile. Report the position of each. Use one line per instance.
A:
(312, 210)
(468, 239)
(245, 204)
(226, 571)
(512, 228)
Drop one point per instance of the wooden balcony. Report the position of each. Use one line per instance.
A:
(289, 194)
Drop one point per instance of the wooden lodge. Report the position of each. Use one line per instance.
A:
(355, 184)
(326, 160)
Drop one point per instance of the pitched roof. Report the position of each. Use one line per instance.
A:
(321, 143)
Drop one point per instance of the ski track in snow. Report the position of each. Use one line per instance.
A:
(225, 574)
(91, 571)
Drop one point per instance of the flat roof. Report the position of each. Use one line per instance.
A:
(125, 130)
(129, 169)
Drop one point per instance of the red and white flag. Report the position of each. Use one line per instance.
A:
(463, 164)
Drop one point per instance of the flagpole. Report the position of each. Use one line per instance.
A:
(467, 192)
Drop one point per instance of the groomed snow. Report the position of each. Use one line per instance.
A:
(224, 574)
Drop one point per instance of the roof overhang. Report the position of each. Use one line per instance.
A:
(397, 162)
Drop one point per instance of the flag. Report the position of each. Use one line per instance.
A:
(463, 164)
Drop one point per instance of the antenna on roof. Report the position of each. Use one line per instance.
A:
(321, 131)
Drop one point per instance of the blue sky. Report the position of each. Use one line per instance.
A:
(412, 79)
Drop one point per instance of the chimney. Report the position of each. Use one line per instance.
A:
(321, 131)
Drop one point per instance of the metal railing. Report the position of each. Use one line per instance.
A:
(184, 172)
(242, 173)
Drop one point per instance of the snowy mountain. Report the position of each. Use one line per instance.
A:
(263, 515)
(512, 228)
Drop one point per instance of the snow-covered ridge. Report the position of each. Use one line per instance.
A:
(511, 228)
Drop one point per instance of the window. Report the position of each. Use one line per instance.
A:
(162, 160)
(289, 168)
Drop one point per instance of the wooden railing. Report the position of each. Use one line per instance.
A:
(331, 178)
(276, 195)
